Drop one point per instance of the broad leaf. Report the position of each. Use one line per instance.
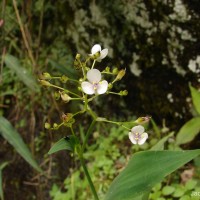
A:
(14, 138)
(144, 170)
(24, 75)
(160, 144)
(195, 98)
(188, 132)
(66, 143)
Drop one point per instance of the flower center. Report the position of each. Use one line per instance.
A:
(95, 85)
(137, 136)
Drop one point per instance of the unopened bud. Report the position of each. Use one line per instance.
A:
(56, 95)
(110, 86)
(115, 70)
(46, 75)
(142, 120)
(120, 74)
(76, 64)
(125, 92)
(44, 83)
(78, 56)
(79, 89)
(64, 78)
(107, 69)
(65, 97)
(55, 125)
(47, 125)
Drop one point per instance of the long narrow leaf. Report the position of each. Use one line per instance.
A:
(2, 166)
(160, 144)
(195, 98)
(14, 138)
(144, 170)
(24, 75)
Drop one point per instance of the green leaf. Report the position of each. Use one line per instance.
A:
(191, 184)
(188, 132)
(144, 170)
(179, 192)
(24, 75)
(160, 144)
(186, 197)
(66, 143)
(195, 98)
(2, 166)
(167, 190)
(14, 138)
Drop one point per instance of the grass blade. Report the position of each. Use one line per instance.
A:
(24, 75)
(14, 138)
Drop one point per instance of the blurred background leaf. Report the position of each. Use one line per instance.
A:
(24, 75)
(189, 131)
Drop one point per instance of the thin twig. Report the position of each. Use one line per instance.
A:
(23, 33)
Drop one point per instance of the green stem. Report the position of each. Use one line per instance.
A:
(58, 77)
(93, 114)
(88, 177)
(113, 122)
(114, 93)
(88, 134)
(93, 64)
(72, 130)
(107, 73)
(79, 112)
(55, 86)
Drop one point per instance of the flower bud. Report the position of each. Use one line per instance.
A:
(80, 89)
(115, 70)
(64, 78)
(107, 69)
(55, 125)
(46, 75)
(120, 74)
(56, 95)
(142, 120)
(44, 83)
(78, 56)
(125, 92)
(110, 86)
(65, 97)
(47, 125)
(76, 64)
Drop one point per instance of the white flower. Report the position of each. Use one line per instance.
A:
(97, 48)
(95, 85)
(137, 135)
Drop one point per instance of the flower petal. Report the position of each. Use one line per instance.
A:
(144, 137)
(132, 138)
(87, 87)
(102, 87)
(95, 49)
(137, 129)
(104, 53)
(94, 76)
